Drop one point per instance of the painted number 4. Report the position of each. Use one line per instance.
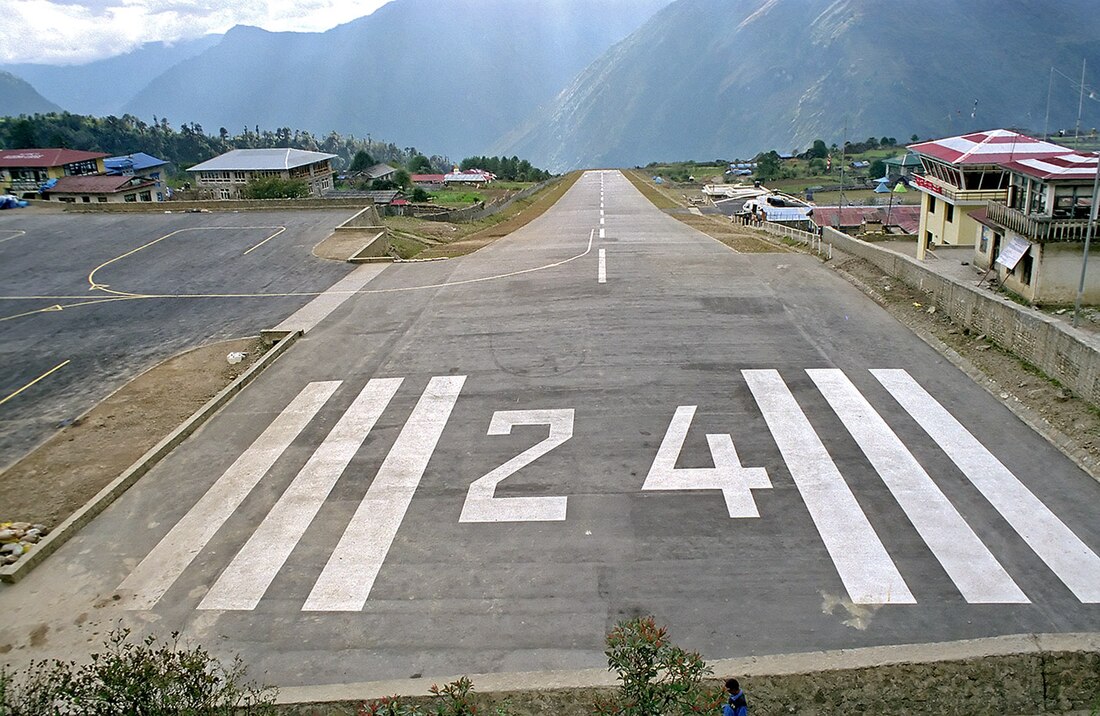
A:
(735, 482)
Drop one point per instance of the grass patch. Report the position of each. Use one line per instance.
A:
(447, 197)
(406, 246)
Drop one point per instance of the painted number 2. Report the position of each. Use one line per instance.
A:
(482, 506)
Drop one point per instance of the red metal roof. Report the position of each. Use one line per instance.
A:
(45, 157)
(905, 216)
(97, 184)
(427, 178)
(1074, 166)
(994, 146)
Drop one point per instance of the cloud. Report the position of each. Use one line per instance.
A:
(78, 31)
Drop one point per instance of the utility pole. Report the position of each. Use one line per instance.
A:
(1080, 107)
(1046, 121)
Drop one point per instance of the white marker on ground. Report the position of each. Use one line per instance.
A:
(602, 234)
(172, 555)
(868, 573)
(243, 583)
(602, 271)
(972, 567)
(348, 577)
(1066, 555)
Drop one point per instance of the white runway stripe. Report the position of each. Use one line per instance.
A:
(1066, 555)
(251, 572)
(601, 272)
(866, 569)
(348, 577)
(975, 571)
(160, 569)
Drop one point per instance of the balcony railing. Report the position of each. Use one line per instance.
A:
(958, 196)
(1039, 228)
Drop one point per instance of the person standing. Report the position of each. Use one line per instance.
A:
(737, 704)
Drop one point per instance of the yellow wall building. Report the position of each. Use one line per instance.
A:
(24, 171)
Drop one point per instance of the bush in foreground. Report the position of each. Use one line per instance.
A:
(146, 678)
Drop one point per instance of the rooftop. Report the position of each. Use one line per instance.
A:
(96, 184)
(45, 157)
(1073, 166)
(137, 161)
(995, 146)
(261, 160)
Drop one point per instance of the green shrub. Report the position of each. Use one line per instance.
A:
(450, 700)
(655, 676)
(147, 678)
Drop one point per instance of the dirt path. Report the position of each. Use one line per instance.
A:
(53, 481)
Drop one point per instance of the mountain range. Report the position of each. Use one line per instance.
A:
(569, 83)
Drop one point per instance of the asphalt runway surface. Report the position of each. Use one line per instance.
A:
(100, 299)
(482, 464)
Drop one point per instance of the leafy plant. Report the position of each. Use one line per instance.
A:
(655, 676)
(147, 678)
(452, 699)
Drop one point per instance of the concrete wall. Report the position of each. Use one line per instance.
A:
(1066, 354)
(228, 205)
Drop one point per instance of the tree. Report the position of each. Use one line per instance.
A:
(768, 166)
(819, 150)
(420, 195)
(914, 138)
(878, 169)
(402, 179)
(419, 164)
(361, 161)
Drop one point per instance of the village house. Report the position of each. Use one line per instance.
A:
(1034, 238)
(961, 174)
(470, 177)
(23, 172)
(141, 165)
(225, 176)
(100, 189)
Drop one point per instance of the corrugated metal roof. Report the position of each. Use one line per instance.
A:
(138, 161)
(45, 157)
(1074, 166)
(990, 147)
(261, 160)
(97, 184)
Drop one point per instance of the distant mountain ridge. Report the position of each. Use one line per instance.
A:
(729, 78)
(18, 97)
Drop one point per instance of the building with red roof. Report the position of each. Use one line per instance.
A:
(960, 174)
(101, 189)
(24, 171)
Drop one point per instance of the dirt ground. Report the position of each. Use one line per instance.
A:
(66, 471)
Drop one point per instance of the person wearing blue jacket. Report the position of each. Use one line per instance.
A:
(737, 705)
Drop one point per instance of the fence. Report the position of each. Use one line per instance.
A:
(1070, 356)
(809, 238)
(475, 212)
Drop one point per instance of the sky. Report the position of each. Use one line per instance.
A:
(76, 31)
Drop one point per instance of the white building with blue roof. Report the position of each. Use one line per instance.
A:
(141, 165)
(225, 176)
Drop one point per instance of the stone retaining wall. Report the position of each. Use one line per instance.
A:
(1069, 355)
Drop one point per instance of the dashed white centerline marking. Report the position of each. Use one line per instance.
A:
(602, 234)
(602, 275)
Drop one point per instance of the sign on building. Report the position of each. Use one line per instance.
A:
(1012, 252)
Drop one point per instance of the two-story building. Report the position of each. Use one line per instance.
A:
(960, 175)
(225, 176)
(142, 166)
(24, 171)
(1034, 238)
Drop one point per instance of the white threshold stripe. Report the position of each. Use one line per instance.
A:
(1067, 556)
(173, 554)
(602, 271)
(602, 234)
(248, 576)
(348, 577)
(864, 566)
(972, 567)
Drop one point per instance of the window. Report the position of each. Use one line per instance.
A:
(146, 196)
(931, 204)
(224, 194)
(1024, 268)
(950, 210)
(101, 199)
(86, 199)
(130, 198)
